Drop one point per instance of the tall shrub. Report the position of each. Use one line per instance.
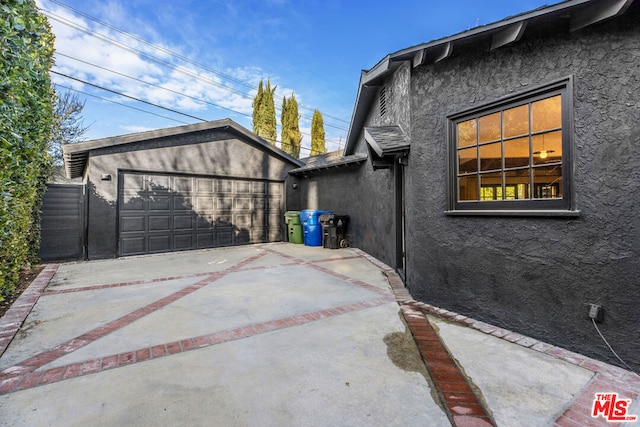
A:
(317, 134)
(26, 118)
(291, 136)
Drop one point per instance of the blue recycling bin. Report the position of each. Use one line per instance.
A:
(311, 226)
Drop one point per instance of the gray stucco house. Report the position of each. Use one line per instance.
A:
(498, 170)
(197, 186)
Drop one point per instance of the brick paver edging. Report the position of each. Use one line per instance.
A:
(463, 406)
(14, 317)
(606, 378)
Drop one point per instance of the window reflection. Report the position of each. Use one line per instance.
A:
(489, 128)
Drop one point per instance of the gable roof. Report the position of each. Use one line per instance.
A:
(76, 155)
(578, 13)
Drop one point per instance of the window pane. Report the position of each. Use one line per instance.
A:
(546, 114)
(491, 183)
(516, 121)
(467, 134)
(491, 156)
(518, 182)
(468, 160)
(489, 127)
(468, 188)
(547, 182)
(547, 148)
(516, 153)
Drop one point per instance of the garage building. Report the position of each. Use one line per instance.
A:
(190, 187)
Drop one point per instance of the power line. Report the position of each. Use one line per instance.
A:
(165, 50)
(120, 103)
(145, 102)
(155, 85)
(126, 96)
(164, 88)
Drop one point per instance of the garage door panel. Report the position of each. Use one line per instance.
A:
(159, 203)
(133, 182)
(182, 203)
(160, 213)
(182, 185)
(205, 204)
(242, 204)
(182, 242)
(205, 222)
(158, 183)
(159, 243)
(160, 223)
(132, 202)
(205, 185)
(182, 222)
(205, 240)
(243, 187)
(224, 238)
(224, 186)
(224, 203)
(132, 224)
(133, 245)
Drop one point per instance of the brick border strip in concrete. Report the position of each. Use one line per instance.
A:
(30, 379)
(607, 378)
(13, 319)
(461, 402)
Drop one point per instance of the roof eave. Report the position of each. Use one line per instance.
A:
(76, 155)
(581, 13)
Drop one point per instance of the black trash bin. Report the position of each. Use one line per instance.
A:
(334, 230)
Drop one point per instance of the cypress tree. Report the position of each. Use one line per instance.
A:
(268, 115)
(317, 134)
(291, 136)
(257, 108)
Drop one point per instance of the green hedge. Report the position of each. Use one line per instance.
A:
(26, 117)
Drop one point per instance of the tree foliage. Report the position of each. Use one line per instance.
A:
(264, 113)
(26, 119)
(317, 134)
(291, 136)
(68, 126)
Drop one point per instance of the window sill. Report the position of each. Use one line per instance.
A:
(518, 213)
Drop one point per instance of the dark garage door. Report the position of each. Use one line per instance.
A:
(163, 213)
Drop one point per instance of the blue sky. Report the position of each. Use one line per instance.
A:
(211, 54)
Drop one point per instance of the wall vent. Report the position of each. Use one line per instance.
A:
(383, 101)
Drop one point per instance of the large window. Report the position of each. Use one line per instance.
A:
(514, 155)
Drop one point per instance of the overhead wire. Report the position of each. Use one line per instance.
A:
(183, 70)
(162, 87)
(120, 103)
(146, 102)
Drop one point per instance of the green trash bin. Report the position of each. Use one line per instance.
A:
(294, 227)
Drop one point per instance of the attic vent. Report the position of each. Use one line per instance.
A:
(383, 101)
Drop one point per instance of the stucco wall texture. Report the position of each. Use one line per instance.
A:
(208, 153)
(537, 275)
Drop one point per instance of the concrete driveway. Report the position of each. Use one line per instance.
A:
(276, 335)
(267, 335)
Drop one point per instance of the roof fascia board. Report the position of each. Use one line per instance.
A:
(599, 11)
(372, 143)
(402, 54)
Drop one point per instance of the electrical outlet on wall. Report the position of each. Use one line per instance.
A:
(596, 312)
